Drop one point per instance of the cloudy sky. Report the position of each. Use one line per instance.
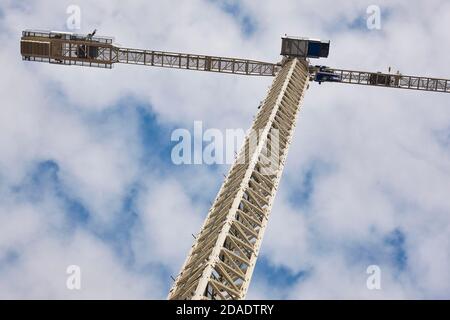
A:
(86, 176)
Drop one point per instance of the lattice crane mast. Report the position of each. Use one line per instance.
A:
(221, 260)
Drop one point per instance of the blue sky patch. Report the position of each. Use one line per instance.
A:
(302, 189)
(278, 277)
(43, 181)
(246, 22)
(395, 241)
(385, 250)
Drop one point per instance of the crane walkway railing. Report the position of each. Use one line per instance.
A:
(391, 80)
(196, 62)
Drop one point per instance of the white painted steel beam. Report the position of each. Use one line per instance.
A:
(222, 259)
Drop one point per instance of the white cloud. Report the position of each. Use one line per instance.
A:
(40, 272)
(168, 220)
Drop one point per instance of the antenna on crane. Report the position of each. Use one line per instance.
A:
(221, 261)
(90, 35)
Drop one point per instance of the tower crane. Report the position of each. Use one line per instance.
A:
(222, 259)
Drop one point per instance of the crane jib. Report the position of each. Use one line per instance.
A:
(391, 80)
(93, 51)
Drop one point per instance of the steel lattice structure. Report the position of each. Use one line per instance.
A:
(45, 46)
(195, 62)
(222, 259)
(392, 80)
(224, 254)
